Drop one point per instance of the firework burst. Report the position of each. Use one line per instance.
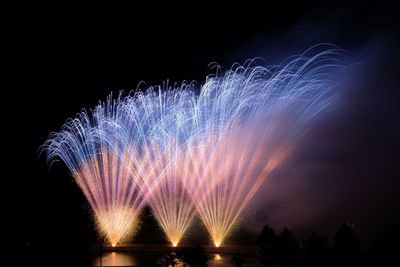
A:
(247, 121)
(180, 152)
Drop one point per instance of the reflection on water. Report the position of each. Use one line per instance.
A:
(217, 257)
(144, 258)
(116, 259)
(218, 260)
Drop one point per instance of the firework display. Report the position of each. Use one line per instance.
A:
(182, 152)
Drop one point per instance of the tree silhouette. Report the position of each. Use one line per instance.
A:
(287, 248)
(346, 245)
(266, 241)
(316, 251)
(282, 250)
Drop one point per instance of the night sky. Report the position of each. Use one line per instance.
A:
(347, 169)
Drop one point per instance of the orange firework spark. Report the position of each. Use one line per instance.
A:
(115, 196)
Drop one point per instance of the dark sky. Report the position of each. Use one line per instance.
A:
(347, 169)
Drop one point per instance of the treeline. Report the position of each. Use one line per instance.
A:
(283, 249)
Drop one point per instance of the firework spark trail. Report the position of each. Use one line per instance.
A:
(169, 200)
(105, 181)
(100, 159)
(247, 121)
(120, 156)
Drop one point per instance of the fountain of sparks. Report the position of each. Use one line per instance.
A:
(180, 152)
(247, 122)
(120, 156)
(106, 152)
(101, 170)
(169, 200)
